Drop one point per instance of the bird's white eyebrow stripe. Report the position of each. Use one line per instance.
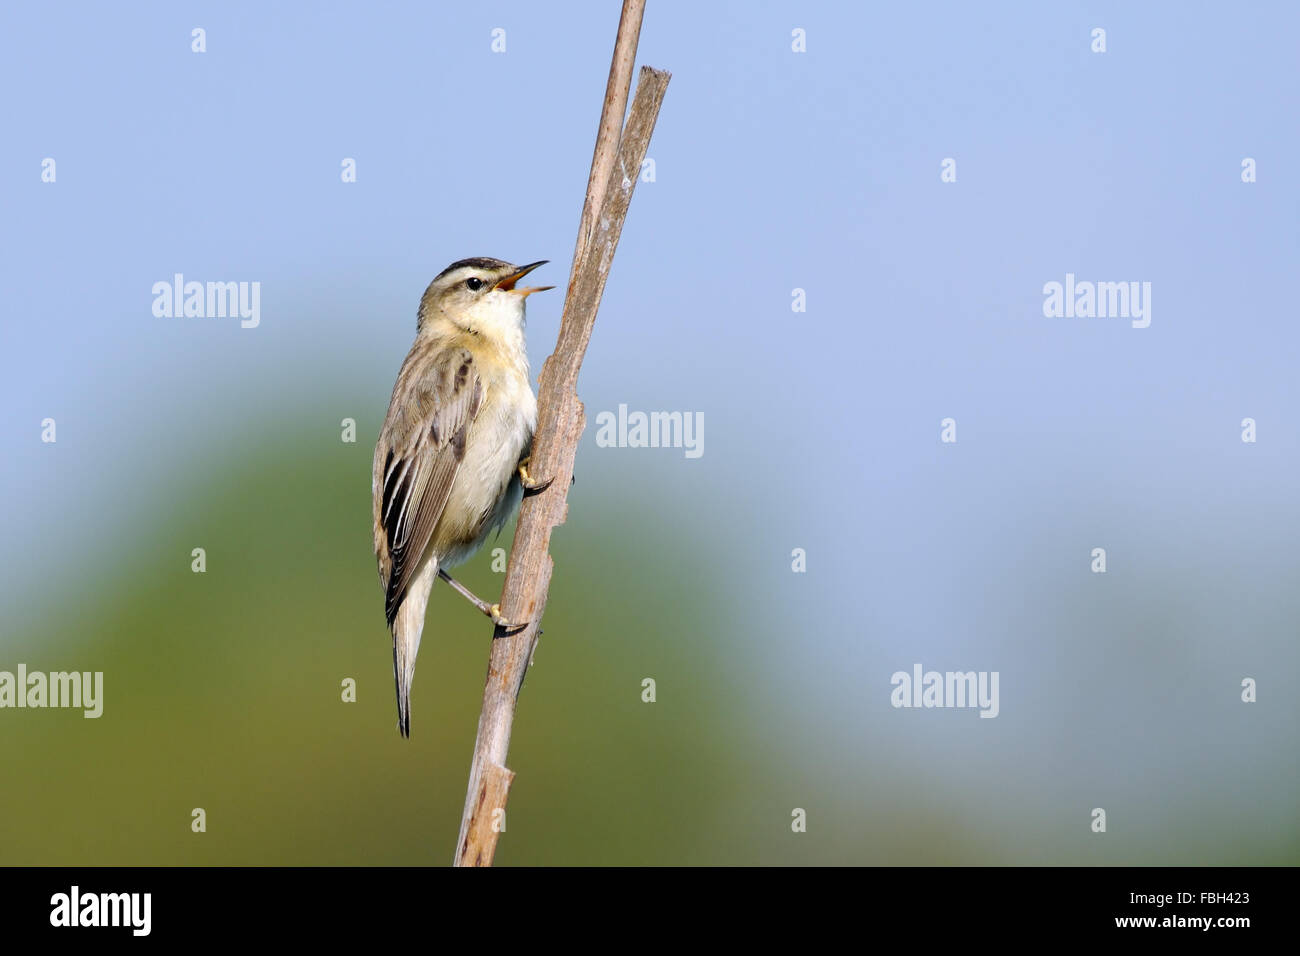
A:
(473, 264)
(466, 272)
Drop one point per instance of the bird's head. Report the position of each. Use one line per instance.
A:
(479, 295)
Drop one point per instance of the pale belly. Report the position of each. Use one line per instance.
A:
(487, 489)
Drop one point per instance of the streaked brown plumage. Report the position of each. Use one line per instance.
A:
(446, 468)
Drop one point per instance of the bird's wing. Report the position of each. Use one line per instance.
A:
(420, 450)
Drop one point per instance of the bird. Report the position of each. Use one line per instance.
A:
(451, 462)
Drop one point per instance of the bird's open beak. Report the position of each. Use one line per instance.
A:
(508, 283)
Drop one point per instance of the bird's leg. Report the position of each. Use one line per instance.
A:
(531, 486)
(491, 610)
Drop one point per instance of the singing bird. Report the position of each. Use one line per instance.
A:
(451, 461)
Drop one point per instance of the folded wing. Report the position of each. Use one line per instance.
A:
(420, 450)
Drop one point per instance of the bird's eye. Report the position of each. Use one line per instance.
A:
(473, 284)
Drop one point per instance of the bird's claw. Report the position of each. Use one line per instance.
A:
(499, 621)
(532, 486)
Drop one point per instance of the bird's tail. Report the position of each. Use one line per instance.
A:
(403, 674)
(407, 627)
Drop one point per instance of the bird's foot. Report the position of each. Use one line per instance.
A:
(531, 485)
(494, 612)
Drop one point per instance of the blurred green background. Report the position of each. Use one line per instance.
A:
(222, 691)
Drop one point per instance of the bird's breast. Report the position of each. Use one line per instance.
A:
(487, 491)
